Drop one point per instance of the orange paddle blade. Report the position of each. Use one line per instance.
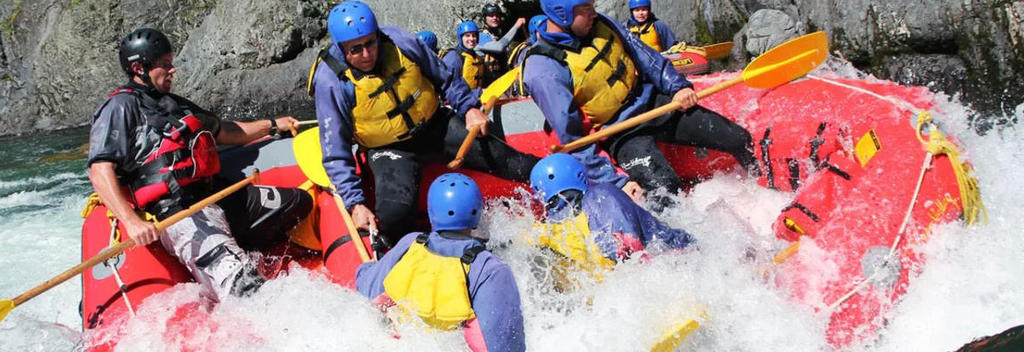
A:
(787, 61)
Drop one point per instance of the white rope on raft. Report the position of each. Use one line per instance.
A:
(923, 117)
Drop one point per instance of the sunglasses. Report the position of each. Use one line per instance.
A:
(358, 48)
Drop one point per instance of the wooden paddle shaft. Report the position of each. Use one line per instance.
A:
(353, 233)
(307, 122)
(640, 119)
(128, 243)
(464, 148)
(470, 137)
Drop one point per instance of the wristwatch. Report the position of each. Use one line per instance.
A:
(273, 127)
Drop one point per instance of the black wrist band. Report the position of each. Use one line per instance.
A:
(273, 127)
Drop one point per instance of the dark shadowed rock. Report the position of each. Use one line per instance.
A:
(250, 59)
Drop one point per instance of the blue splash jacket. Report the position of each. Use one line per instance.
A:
(550, 83)
(617, 224)
(335, 99)
(492, 288)
(665, 36)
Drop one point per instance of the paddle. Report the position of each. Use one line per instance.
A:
(308, 155)
(782, 64)
(489, 96)
(7, 305)
(717, 51)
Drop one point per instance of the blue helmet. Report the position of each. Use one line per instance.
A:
(350, 20)
(428, 38)
(639, 3)
(454, 203)
(466, 27)
(535, 23)
(560, 11)
(556, 173)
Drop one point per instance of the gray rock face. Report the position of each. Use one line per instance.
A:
(768, 28)
(246, 58)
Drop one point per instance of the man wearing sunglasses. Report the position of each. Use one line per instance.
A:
(379, 87)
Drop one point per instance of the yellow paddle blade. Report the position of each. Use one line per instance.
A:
(787, 61)
(717, 51)
(308, 155)
(671, 341)
(499, 86)
(5, 307)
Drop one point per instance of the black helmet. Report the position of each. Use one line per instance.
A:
(144, 45)
(492, 9)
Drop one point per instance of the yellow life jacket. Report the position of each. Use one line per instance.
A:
(472, 69)
(648, 35)
(391, 103)
(603, 74)
(572, 239)
(432, 285)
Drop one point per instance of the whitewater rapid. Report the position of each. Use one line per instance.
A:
(969, 287)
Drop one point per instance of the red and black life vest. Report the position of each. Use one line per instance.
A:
(186, 154)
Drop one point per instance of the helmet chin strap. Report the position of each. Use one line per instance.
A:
(146, 79)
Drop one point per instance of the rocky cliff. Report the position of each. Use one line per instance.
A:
(247, 58)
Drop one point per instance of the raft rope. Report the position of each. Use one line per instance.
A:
(937, 143)
(114, 239)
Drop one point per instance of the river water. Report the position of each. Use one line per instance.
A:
(971, 285)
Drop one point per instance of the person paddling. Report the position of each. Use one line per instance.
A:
(379, 88)
(586, 71)
(649, 29)
(154, 151)
(448, 277)
(593, 225)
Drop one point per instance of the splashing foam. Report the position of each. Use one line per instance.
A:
(969, 286)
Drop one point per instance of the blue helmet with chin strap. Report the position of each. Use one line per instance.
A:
(535, 23)
(557, 173)
(454, 203)
(350, 20)
(639, 3)
(429, 38)
(560, 11)
(466, 27)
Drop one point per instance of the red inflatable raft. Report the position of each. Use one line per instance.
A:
(867, 189)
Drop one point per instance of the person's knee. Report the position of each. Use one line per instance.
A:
(394, 219)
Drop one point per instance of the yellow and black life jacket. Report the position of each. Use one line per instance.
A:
(603, 74)
(392, 103)
(432, 285)
(572, 239)
(647, 34)
(473, 69)
(514, 54)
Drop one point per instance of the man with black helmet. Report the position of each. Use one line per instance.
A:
(155, 151)
(494, 30)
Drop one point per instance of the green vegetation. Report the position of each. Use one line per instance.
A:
(8, 25)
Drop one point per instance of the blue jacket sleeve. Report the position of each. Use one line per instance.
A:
(610, 211)
(334, 100)
(665, 35)
(495, 298)
(453, 61)
(370, 276)
(451, 88)
(550, 85)
(654, 67)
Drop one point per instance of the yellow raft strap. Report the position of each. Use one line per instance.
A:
(970, 193)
